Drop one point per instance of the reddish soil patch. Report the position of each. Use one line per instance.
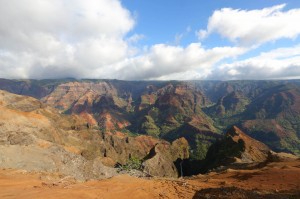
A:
(276, 180)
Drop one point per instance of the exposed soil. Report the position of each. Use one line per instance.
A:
(276, 180)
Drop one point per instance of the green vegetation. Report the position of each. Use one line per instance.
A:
(154, 113)
(149, 127)
(200, 152)
(223, 151)
(202, 144)
(132, 164)
(165, 129)
(266, 110)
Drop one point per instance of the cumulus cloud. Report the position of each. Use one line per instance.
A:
(175, 62)
(281, 63)
(60, 38)
(90, 39)
(254, 27)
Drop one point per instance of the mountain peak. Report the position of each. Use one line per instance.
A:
(236, 148)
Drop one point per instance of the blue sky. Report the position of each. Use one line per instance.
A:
(160, 21)
(150, 40)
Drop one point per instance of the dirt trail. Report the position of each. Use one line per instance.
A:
(274, 178)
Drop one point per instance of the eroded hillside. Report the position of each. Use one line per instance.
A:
(199, 111)
(36, 137)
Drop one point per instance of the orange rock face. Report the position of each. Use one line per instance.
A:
(51, 141)
(254, 151)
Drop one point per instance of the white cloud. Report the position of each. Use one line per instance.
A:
(135, 38)
(59, 38)
(187, 75)
(89, 39)
(175, 62)
(254, 27)
(280, 63)
(180, 36)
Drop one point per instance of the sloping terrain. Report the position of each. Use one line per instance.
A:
(236, 148)
(274, 118)
(36, 137)
(44, 153)
(197, 110)
(278, 180)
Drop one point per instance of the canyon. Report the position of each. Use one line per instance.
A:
(71, 134)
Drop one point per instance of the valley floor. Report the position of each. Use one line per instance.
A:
(276, 180)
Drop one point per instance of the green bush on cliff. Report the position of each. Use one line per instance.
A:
(200, 151)
(132, 164)
(201, 146)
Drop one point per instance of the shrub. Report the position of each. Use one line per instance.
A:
(132, 164)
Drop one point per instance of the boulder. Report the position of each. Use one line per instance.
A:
(161, 158)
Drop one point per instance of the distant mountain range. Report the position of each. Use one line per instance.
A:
(200, 111)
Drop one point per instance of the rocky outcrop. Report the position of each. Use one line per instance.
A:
(36, 137)
(160, 160)
(118, 148)
(74, 93)
(236, 148)
(54, 159)
(197, 110)
(281, 157)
